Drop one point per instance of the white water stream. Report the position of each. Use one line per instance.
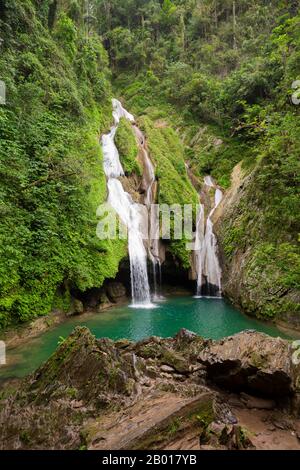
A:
(128, 211)
(209, 273)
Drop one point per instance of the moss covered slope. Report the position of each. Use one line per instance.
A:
(58, 95)
(128, 149)
(259, 239)
(174, 186)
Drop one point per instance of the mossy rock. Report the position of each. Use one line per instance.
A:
(175, 360)
(128, 148)
(150, 351)
(107, 373)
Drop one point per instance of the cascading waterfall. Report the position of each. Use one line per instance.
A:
(111, 161)
(199, 245)
(119, 112)
(129, 212)
(207, 264)
(212, 268)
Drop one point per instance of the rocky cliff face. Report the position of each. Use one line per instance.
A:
(259, 266)
(154, 394)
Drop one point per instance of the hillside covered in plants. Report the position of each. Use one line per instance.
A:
(58, 99)
(210, 83)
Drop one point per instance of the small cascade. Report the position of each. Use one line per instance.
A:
(119, 112)
(209, 182)
(207, 264)
(129, 212)
(154, 252)
(111, 161)
(199, 247)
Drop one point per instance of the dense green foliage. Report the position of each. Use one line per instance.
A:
(168, 154)
(220, 72)
(58, 95)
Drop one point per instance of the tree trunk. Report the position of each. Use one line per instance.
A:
(108, 15)
(234, 24)
(216, 13)
(52, 14)
(182, 36)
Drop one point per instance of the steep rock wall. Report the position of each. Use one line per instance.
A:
(256, 271)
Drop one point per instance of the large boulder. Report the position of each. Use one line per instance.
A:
(77, 308)
(94, 367)
(251, 361)
(115, 291)
(82, 379)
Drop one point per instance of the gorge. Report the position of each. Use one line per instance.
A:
(149, 338)
(186, 112)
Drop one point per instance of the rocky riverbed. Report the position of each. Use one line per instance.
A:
(178, 393)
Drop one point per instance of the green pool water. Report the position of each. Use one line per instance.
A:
(210, 318)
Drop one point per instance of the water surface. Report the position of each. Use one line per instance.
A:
(210, 318)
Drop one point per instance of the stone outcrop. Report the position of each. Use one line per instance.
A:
(251, 361)
(116, 291)
(77, 308)
(149, 422)
(154, 394)
(95, 368)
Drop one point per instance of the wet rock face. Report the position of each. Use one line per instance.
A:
(116, 291)
(251, 361)
(78, 307)
(257, 288)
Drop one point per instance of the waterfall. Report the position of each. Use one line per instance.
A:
(154, 252)
(207, 264)
(199, 251)
(119, 112)
(111, 161)
(129, 212)
(212, 268)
